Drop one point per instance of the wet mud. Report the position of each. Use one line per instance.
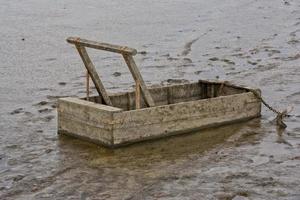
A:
(253, 43)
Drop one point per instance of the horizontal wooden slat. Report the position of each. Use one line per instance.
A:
(102, 46)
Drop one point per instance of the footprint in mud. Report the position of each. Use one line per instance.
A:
(293, 41)
(227, 61)
(286, 2)
(62, 83)
(142, 52)
(238, 55)
(41, 103)
(251, 62)
(45, 110)
(174, 81)
(17, 111)
(116, 74)
(230, 62)
(46, 103)
(221, 47)
(213, 59)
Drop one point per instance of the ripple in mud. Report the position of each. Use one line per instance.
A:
(227, 61)
(288, 58)
(267, 67)
(188, 47)
(17, 111)
(62, 83)
(174, 81)
(293, 41)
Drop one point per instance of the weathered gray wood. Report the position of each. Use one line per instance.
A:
(87, 86)
(86, 119)
(183, 117)
(93, 73)
(102, 46)
(114, 126)
(137, 95)
(138, 77)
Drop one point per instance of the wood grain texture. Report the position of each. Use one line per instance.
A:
(114, 126)
(93, 73)
(102, 46)
(138, 78)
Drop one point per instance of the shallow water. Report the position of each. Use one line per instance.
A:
(247, 42)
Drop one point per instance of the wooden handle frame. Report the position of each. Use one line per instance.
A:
(102, 46)
(127, 53)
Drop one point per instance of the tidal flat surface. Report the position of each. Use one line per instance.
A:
(248, 42)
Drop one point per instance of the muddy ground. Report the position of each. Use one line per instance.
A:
(251, 42)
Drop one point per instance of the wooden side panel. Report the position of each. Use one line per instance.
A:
(161, 95)
(165, 120)
(86, 119)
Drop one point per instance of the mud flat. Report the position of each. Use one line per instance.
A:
(250, 42)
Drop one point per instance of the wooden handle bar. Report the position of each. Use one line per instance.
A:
(102, 46)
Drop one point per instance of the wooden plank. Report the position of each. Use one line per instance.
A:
(93, 73)
(138, 77)
(137, 95)
(87, 86)
(185, 110)
(182, 117)
(102, 46)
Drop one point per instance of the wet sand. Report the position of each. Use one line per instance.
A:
(246, 42)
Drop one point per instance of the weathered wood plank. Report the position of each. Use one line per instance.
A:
(137, 95)
(114, 126)
(102, 46)
(93, 73)
(134, 134)
(87, 86)
(138, 77)
(184, 118)
(97, 113)
(82, 129)
(184, 110)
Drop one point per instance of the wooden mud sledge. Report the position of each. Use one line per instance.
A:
(127, 117)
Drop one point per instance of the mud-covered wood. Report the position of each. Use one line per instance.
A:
(138, 78)
(102, 46)
(86, 119)
(93, 73)
(137, 95)
(187, 112)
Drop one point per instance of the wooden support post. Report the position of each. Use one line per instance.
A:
(137, 95)
(93, 73)
(127, 54)
(138, 78)
(87, 86)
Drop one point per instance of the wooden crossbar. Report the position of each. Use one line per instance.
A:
(102, 46)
